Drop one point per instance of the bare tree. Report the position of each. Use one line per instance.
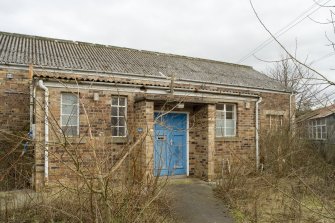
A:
(294, 173)
(299, 79)
(314, 77)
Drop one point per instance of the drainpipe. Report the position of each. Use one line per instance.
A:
(46, 130)
(31, 103)
(257, 133)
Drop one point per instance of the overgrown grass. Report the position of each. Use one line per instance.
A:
(296, 184)
(131, 203)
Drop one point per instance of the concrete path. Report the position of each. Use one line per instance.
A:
(194, 202)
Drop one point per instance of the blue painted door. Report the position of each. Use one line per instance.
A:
(170, 144)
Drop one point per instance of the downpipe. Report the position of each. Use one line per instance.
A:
(46, 130)
(257, 133)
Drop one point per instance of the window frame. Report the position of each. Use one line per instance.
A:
(61, 114)
(125, 106)
(224, 113)
(272, 123)
(313, 127)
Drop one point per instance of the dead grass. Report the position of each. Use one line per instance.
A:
(133, 204)
(296, 185)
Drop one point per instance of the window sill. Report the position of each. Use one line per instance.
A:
(75, 139)
(83, 140)
(227, 139)
(119, 140)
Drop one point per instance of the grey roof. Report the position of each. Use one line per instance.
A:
(318, 113)
(18, 49)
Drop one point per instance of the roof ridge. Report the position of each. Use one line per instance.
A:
(124, 48)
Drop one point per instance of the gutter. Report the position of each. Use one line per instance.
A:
(190, 92)
(46, 130)
(257, 133)
(137, 76)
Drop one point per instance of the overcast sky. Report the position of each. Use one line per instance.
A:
(213, 29)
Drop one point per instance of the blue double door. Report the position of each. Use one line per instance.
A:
(170, 155)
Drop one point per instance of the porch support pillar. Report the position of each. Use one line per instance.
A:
(144, 122)
(211, 110)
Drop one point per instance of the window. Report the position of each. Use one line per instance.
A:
(225, 120)
(119, 111)
(275, 121)
(70, 114)
(317, 129)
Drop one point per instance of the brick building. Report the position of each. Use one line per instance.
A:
(192, 115)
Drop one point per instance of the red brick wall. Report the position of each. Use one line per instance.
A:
(95, 119)
(206, 152)
(15, 170)
(14, 100)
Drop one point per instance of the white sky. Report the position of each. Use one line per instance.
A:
(214, 29)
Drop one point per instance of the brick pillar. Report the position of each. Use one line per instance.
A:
(202, 142)
(211, 110)
(144, 119)
(39, 139)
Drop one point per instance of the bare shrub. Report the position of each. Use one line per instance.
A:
(294, 185)
(92, 179)
(16, 160)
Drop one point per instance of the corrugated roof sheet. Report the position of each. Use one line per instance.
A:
(18, 49)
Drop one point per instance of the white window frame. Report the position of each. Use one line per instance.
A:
(224, 112)
(313, 127)
(61, 114)
(281, 117)
(118, 106)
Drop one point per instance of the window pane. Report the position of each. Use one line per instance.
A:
(122, 131)
(319, 132)
(324, 135)
(310, 132)
(114, 131)
(115, 101)
(230, 123)
(114, 121)
(219, 123)
(230, 132)
(229, 115)
(122, 101)
(70, 130)
(122, 121)
(69, 109)
(114, 111)
(70, 99)
(229, 108)
(219, 115)
(69, 120)
(122, 111)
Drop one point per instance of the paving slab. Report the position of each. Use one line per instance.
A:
(193, 201)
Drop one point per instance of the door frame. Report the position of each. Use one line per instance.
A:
(187, 137)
